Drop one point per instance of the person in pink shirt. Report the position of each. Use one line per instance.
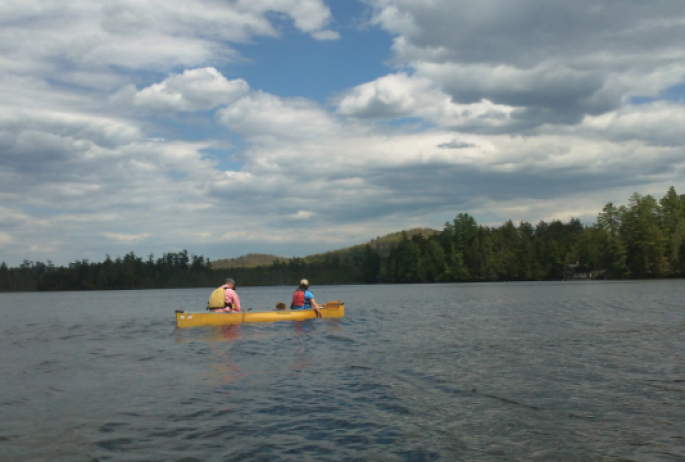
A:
(232, 304)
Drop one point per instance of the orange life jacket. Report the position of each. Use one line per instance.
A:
(298, 298)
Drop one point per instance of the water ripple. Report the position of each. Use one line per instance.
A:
(506, 372)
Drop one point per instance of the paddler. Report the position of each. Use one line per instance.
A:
(231, 299)
(303, 299)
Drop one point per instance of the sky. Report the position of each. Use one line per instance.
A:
(292, 127)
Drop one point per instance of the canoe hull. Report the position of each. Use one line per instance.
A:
(185, 319)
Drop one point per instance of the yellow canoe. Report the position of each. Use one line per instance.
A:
(185, 319)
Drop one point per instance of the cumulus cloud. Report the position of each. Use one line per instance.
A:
(302, 215)
(105, 131)
(503, 109)
(144, 34)
(260, 115)
(563, 95)
(5, 238)
(326, 35)
(455, 144)
(656, 124)
(400, 95)
(392, 96)
(362, 175)
(551, 62)
(126, 237)
(194, 90)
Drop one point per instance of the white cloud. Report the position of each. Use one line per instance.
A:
(494, 109)
(400, 95)
(308, 15)
(455, 144)
(107, 131)
(126, 237)
(194, 90)
(45, 37)
(5, 238)
(302, 215)
(553, 62)
(392, 96)
(655, 124)
(326, 35)
(261, 115)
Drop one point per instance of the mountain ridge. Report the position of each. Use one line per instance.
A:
(381, 244)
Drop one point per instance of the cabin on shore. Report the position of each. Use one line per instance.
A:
(577, 271)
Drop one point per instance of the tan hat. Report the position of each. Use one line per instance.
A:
(304, 282)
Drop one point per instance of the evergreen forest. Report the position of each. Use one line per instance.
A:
(643, 239)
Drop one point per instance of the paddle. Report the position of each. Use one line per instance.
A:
(332, 305)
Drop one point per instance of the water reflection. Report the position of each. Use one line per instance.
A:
(223, 369)
(224, 333)
(226, 372)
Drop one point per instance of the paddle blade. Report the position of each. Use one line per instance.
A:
(333, 305)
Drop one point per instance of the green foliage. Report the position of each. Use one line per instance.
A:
(130, 272)
(371, 266)
(644, 239)
(251, 260)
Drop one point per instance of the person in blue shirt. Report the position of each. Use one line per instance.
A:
(303, 299)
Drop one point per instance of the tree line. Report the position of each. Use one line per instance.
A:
(643, 239)
(172, 270)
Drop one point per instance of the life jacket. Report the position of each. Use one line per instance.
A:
(217, 299)
(298, 298)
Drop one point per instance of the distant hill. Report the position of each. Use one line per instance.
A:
(251, 260)
(382, 245)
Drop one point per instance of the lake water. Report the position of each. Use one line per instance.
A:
(588, 371)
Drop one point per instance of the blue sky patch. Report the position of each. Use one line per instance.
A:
(676, 93)
(225, 159)
(297, 65)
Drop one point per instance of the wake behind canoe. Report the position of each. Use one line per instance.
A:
(186, 319)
